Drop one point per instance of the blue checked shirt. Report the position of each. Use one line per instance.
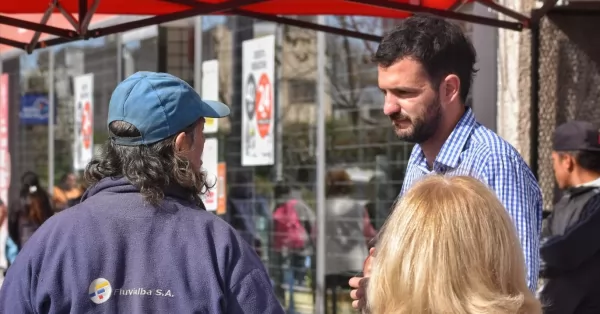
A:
(472, 149)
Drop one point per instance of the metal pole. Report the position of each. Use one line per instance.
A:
(119, 57)
(198, 54)
(3, 263)
(51, 120)
(534, 132)
(279, 108)
(321, 249)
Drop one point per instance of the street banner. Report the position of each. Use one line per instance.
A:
(83, 150)
(258, 72)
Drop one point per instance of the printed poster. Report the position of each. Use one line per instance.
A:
(258, 72)
(83, 150)
(210, 157)
(210, 91)
(35, 108)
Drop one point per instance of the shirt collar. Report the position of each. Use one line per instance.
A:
(449, 154)
(593, 183)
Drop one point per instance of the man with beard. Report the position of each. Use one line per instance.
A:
(425, 70)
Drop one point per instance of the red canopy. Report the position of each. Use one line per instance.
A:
(25, 35)
(20, 20)
(282, 7)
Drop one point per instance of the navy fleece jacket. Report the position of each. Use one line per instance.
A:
(114, 253)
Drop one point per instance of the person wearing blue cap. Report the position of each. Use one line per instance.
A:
(140, 241)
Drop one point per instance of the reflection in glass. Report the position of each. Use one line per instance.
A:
(140, 55)
(360, 138)
(32, 145)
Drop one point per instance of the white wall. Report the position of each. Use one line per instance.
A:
(485, 85)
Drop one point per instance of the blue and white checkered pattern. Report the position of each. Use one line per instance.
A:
(472, 149)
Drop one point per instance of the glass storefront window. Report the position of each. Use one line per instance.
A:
(140, 51)
(359, 138)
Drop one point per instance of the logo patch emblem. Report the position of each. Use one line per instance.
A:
(100, 290)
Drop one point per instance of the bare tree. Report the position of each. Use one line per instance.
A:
(351, 87)
(351, 73)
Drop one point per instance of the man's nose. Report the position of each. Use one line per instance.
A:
(389, 108)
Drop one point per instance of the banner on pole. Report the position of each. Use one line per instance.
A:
(210, 91)
(258, 72)
(35, 108)
(83, 150)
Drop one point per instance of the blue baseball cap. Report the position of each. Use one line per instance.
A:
(159, 105)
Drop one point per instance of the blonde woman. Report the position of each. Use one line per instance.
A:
(449, 247)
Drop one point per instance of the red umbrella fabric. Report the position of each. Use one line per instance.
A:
(21, 20)
(282, 7)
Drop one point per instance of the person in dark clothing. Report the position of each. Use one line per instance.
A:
(141, 240)
(31, 210)
(570, 251)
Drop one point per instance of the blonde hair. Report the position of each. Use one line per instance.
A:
(449, 246)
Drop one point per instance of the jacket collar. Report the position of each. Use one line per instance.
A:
(122, 186)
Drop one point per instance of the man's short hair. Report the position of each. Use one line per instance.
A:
(440, 46)
(588, 160)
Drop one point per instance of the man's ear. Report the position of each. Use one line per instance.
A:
(181, 142)
(449, 89)
(570, 162)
